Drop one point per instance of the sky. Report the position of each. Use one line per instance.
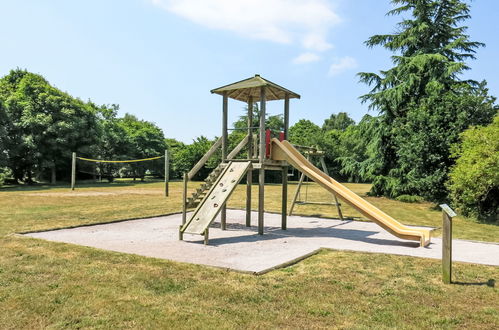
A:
(159, 59)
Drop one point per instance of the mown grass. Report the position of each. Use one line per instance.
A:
(56, 285)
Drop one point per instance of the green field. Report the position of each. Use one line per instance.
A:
(45, 284)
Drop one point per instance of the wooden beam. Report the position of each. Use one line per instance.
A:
(204, 159)
(284, 206)
(338, 205)
(273, 94)
(261, 176)
(249, 175)
(224, 126)
(286, 116)
(223, 215)
(238, 148)
(297, 192)
(447, 214)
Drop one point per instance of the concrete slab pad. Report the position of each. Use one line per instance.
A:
(241, 248)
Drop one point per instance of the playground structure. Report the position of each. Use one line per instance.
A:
(211, 197)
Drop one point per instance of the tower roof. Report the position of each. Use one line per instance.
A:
(243, 89)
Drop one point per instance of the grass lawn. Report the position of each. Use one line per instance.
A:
(45, 284)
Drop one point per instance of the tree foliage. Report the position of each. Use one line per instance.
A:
(305, 133)
(44, 124)
(340, 121)
(474, 180)
(422, 102)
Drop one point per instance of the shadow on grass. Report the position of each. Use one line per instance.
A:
(90, 184)
(490, 283)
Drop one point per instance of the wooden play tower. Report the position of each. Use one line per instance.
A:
(250, 91)
(210, 199)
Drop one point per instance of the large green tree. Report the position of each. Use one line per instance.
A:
(44, 125)
(422, 101)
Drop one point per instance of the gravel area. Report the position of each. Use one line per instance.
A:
(241, 248)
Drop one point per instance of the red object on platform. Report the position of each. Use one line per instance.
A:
(281, 136)
(267, 143)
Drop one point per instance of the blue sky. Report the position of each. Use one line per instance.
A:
(159, 59)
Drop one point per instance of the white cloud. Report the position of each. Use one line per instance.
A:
(306, 58)
(305, 22)
(341, 65)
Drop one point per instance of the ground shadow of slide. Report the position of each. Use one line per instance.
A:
(274, 233)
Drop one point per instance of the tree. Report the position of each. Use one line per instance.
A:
(189, 155)
(305, 133)
(44, 125)
(144, 139)
(340, 121)
(474, 180)
(423, 104)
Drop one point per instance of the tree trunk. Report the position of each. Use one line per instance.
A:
(53, 176)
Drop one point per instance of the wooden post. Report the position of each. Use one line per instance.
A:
(223, 215)
(167, 173)
(297, 192)
(261, 177)
(286, 116)
(447, 214)
(206, 236)
(180, 233)
(338, 205)
(284, 207)
(184, 200)
(73, 171)
(249, 175)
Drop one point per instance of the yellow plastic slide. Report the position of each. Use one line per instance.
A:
(285, 151)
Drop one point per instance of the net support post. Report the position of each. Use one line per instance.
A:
(447, 215)
(73, 170)
(167, 173)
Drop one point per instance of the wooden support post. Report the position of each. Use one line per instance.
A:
(180, 233)
(447, 214)
(206, 238)
(284, 207)
(249, 175)
(167, 173)
(184, 200)
(73, 171)
(223, 214)
(261, 176)
(297, 193)
(249, 183)
(286, 116)
(338, 205)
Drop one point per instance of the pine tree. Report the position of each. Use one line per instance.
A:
(422, 101)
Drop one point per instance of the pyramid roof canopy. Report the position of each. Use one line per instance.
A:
(243, 89)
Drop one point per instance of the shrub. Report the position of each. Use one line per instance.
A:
(410, 199)
(474, 180)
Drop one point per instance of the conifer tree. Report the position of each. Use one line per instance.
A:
(422, 101)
